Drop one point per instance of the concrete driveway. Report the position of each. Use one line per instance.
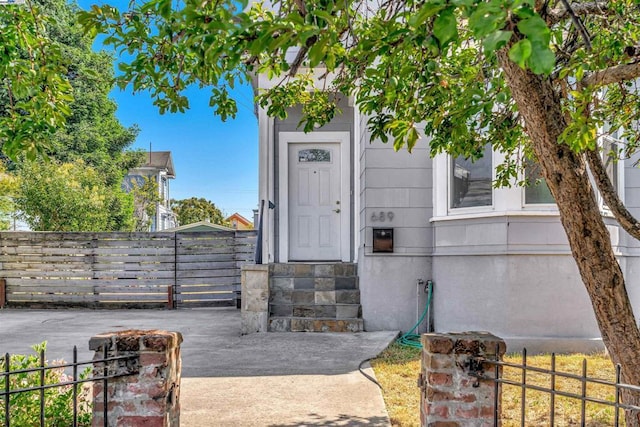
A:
(275, 379)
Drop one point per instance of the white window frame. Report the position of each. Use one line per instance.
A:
(619, 165)
(505, 200)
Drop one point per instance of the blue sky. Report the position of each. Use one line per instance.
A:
(213, 159)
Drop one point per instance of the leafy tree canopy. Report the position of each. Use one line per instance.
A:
(71, 197)
(50, 51)
(410, 63)
(91, 131)
(35, 93)
(196, 209)
(8, 189)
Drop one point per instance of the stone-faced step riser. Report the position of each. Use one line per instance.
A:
(313, 270)
(279, 296)
(332, 311)
(315, 283)
(315, 325)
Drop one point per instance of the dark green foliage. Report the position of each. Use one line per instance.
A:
(196, 209)
(92, 135)
(73, 196)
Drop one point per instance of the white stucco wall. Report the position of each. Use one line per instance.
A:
(389, 293)
(533, 301)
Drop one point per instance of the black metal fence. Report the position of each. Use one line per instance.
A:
(546, 382)
(34, 392)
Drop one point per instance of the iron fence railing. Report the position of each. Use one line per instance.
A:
(479, 366)
(33, 382)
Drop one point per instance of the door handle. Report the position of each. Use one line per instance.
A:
(336, 210)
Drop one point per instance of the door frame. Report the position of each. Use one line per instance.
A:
(285, 139)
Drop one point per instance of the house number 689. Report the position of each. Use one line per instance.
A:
(382, 216)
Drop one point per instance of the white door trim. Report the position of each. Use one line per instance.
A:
(286, 138)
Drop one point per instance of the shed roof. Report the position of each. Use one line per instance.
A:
(200, 226)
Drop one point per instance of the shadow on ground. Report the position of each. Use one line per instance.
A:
(340, 420)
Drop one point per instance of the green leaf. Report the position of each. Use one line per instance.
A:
(495, 41)
(317, 52)
(427, 10)
(523, 9)
(164, 8)
(535, 29)
(520, 52)
(542, 59)
(412, 138)
(486, 18)
(323, 14)
(445, 28)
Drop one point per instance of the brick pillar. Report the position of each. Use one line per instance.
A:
(149, 398)
(449, 397)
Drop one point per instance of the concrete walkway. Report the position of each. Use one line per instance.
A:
(275, 379)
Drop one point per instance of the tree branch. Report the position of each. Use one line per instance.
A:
(297, 62)
(611, 75)
(610, 195)
(579, 9)
(578, 24)
(302, 8)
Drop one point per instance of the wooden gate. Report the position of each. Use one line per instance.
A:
(46, 269)
(208, 266)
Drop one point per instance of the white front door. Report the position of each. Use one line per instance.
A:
(314, 196)
(314, 202)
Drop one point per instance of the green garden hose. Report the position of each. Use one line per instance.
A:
(410, 339)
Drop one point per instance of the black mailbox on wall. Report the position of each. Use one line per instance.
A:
(383, 240)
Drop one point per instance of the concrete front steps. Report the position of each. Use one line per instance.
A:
(314, 298)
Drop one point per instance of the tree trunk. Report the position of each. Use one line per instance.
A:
(566, 175)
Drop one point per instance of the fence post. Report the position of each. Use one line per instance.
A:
(151, 397)
(3, 293)
(170, 301)
(449, 395)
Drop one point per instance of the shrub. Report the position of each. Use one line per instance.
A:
(25, 406)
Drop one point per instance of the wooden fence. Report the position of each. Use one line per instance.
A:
(48, 269)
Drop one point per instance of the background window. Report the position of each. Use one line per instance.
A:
(610, 159)
(471, 181)
(537, 191)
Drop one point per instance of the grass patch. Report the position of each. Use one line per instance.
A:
(567, 410)
(397, 369)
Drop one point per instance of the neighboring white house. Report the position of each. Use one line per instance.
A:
(498, 257)
(158, 166)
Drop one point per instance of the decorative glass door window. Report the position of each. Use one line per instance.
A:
(314, 155)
